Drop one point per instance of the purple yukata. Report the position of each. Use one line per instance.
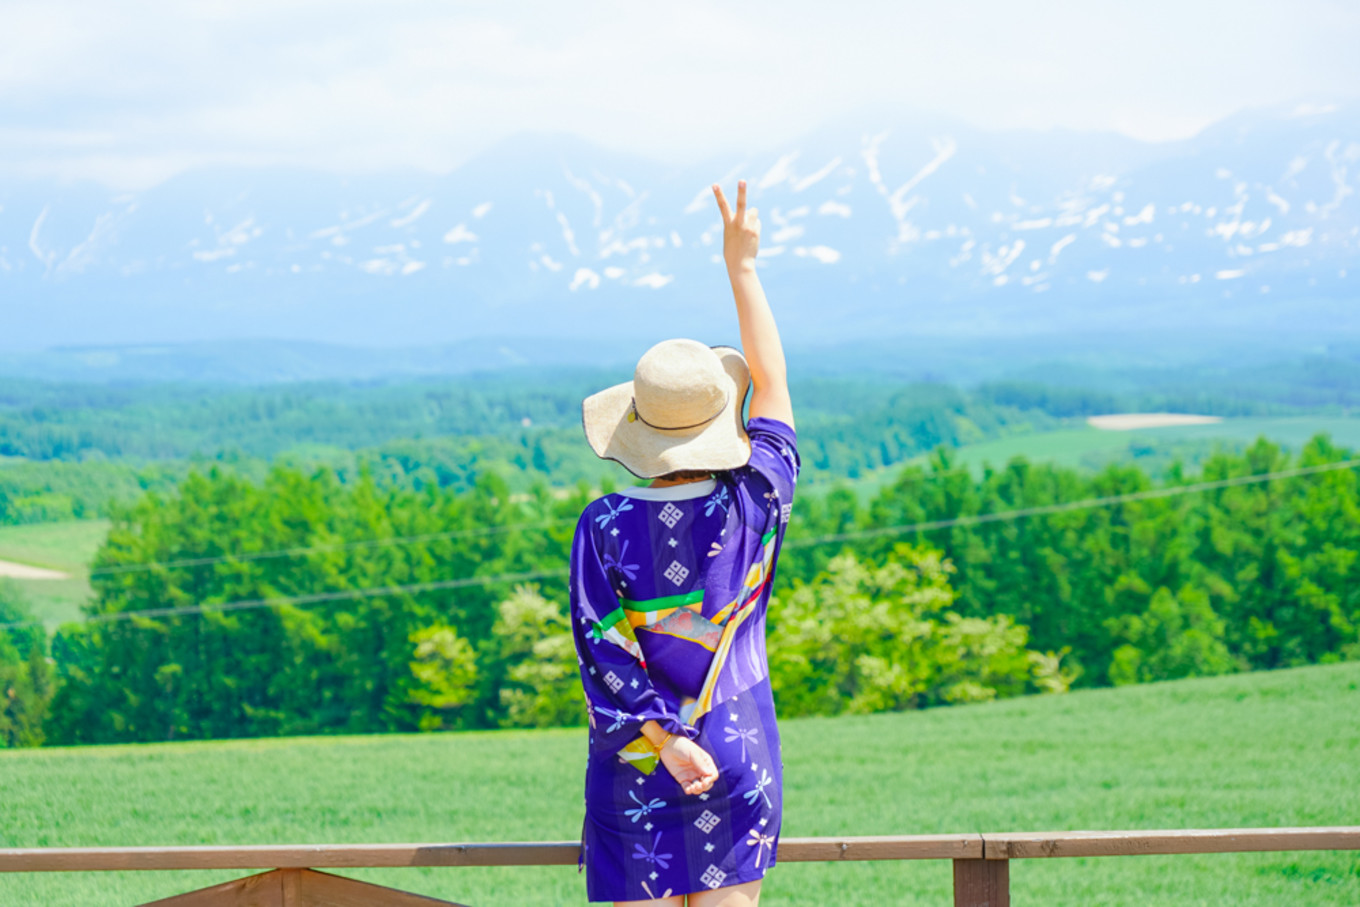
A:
(669, 589)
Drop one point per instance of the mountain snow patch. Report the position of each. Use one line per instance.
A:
(654, 280)
(824, 254)
(1059, 246)
(459, 234)
(817, 177)
(585, 277)
(782, 171)
(413, 216)
(1142, 217)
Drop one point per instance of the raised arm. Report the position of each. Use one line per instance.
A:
(759, 335)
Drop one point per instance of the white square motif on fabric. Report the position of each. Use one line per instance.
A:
(676, 572)
(613, 681)
(708, 821)
(670, 515)
(785, 511)
(713, 876)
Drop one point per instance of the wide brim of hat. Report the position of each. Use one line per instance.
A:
(648, 452)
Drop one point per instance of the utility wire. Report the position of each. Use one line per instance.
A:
(391, 541)
(925, 526)
(1086, 504)
(388, 541)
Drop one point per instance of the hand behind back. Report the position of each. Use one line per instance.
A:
(689, 764)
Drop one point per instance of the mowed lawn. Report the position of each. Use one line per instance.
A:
(1256, 750)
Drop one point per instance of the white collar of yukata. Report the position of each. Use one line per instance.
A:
(684, 492)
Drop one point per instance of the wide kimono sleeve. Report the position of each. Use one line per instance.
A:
(620, 695)
(774, 456)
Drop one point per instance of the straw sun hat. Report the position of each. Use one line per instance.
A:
(681, 411)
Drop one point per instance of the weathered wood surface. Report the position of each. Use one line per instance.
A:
(299, 888)
(1024, 845)
(321, 889)
(262, 890)
(891, 847)
(982, 883)
(335, 856)
(300, 856)
(1001, 846)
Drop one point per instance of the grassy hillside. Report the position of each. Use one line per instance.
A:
(1153, 449)
(68, 547)
(1268, 749)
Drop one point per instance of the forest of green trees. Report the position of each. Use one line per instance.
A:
(73, 450)
(309, 600)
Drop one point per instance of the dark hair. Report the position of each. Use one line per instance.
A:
(685, 475)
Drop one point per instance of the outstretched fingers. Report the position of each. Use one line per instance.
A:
(722, 204)
(726, 210)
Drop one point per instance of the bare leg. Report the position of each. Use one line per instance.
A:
(747, 894)
(677, 901)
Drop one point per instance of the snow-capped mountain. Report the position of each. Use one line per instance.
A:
(869, 230)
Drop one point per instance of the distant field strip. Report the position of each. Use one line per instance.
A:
(1088, 448)
(24, 571)
(1129, 421)
(1269, 749)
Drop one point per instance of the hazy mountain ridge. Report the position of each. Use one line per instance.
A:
(924, 224)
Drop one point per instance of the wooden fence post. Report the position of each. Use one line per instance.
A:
(982, 883)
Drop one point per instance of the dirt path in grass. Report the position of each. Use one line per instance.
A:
(1129, 421)
(24, 571)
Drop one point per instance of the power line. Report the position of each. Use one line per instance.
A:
(1085, 504)
(319, 597)
(392, 541)
(389, 541)
(924, 526)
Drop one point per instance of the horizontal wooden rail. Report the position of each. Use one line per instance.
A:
(981, 861)
(354, 856)
(1026, 845)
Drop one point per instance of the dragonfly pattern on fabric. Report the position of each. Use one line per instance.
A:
(652, 856)
(759, 789)
(760, 842)
(616, 563)
(605, 519)
(620, 718)
(745, 735)
(643, 809)
(717, 499)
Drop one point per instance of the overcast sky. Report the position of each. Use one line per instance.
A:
(131, 92)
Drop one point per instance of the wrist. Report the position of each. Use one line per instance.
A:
(741, 267)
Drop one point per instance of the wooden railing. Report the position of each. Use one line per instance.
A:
(981, 861)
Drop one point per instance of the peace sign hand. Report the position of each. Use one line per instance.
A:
(741, 231)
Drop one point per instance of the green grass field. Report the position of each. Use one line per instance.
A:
(1088, 448)
(68, 547)
(1266, 749)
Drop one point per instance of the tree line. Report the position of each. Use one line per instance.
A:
(1246, 576)
(70, 460)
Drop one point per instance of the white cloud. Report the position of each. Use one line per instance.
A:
(131, 92)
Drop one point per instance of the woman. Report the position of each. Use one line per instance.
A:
(669, 587)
